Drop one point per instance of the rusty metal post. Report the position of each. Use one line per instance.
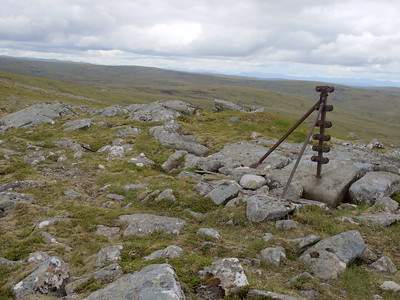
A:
(293, 128)
(321, 148)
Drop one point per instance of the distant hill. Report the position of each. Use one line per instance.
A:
(370, 112)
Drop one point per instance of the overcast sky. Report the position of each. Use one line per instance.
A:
(305, 38)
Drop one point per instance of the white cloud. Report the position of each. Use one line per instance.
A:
(304, 37)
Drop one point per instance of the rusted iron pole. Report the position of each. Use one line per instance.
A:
(321, 148)
(303, 148)
(284, 137)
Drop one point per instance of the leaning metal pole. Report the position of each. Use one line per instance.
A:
(293, 128)
(303, 148)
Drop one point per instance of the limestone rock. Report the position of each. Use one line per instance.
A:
(261, 294)
(390, 286)
(109, 254)
(330, 257)
(128, 132)
(141, 161)
(374, 185)
(169, 136)
(379, 219)
(166, 195)
(229, 272)
(112, 111)
(223, 192)
(221, 105)
(144, 224)
(49, 278)
(252, 182)
(77, 124)
(35, 115)
(168, 252)
(174, 161)
(156, 281)
(387, 204)
(286, 224)
(209, 233)
(301, 244)
(384, 264)
(265, 208)
(273, 255)
(160, 111)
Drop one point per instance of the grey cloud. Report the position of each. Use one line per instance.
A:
(347, 33)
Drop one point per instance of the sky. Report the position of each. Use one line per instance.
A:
(338, 39)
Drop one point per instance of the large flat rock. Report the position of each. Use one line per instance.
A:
(266, 208)
(330, 257)
(373, 186)
(168, 135)
(34, 115)
(144, 224)
(156, 281)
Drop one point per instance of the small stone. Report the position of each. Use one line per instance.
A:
(209, 233)
(101, 167)
(267, 237)
(109, 254)
(72, 194)
(169, 252)
(166, 195)
(224, 192)
(273, 255)
(390, 286)
(286, 224)
(141, 161)
(145, 224)
(115, 197)
(301, 244)
(77, 124)
(348, 206)
(252, 182)
(377, 297)
(230, 275)
(134, 186)
(384, 264)
(387, 204)
(174, 161)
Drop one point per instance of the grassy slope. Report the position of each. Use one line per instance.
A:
(18, 237)
(368, 112)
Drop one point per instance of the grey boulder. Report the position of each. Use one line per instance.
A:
(168, 135)
(273, 255)
(157, 281)
(107, 255)
(374, 185)
(384, 264)
(168, 252)
(49, 278)
(330, 257)
(261, 294)
(77, 124)
(262, 208)
(252, 182)
(145, 224)
(224, 192)
(379, 219)
(35, 115)
(230, 274)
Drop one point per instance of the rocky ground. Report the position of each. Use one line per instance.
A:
(157, 201)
